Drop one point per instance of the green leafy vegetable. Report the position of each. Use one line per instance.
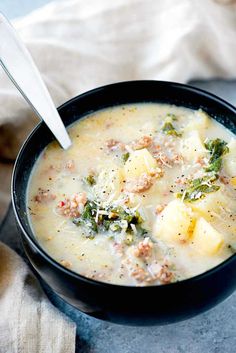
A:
(113, 219)
(125, 157)
(197, 189)
(168, 128)
(217, 149)
(124, 215)
(106, 224)
(115, 227)
(214, 166)
(87, 218)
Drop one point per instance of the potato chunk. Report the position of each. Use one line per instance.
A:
(213, 203)
(230, 159)
(174, 223)
(109, 183)
(206, 239)
(139, 162)
(192, 147)
(233, 181)
(200, 123)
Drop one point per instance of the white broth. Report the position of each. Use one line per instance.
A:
(146, 195)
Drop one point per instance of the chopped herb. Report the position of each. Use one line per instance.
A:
(172, 116)
(90, 180)
(115, 227)
(125, 157)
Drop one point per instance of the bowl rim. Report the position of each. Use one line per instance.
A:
(72, 273)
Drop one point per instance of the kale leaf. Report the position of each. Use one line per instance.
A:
(113, 219)
(87, 218)
(217, 149)
(168, 127)
(197, 189)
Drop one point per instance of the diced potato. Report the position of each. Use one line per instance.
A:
(109, 183)
(174, 223)
(192, 147)
(206, 239)
(230, 159)
(201, 121)
(212, 203)
(233, 181)
(139, 162)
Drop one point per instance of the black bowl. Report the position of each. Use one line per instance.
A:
(124, 304)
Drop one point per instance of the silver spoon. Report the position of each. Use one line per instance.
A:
(20, 68)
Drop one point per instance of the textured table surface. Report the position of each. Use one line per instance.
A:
(211, 332)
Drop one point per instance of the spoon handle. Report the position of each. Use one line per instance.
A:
(20, 68)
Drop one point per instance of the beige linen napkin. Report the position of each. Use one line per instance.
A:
(28, 323)
(79, 45)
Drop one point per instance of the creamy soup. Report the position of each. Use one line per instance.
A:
(146, 195)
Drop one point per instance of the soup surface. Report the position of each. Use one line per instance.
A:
(146, 195)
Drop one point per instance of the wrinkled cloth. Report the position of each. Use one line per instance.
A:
(78, 45)
(28, 322)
